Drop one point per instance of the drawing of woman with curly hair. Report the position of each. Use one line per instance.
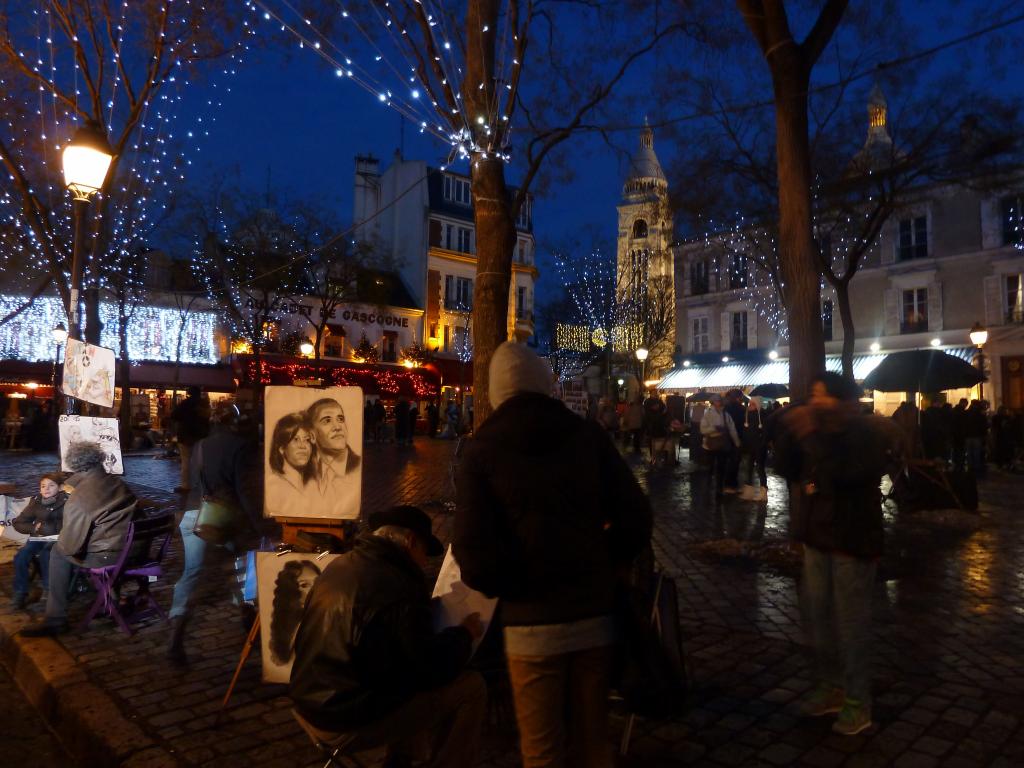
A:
(291, 590)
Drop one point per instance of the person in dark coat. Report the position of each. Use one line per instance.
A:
(976, 422)
(226, 467)
(737, 411)
(42, 516)
(1003, 437)
(834, 457)
(401, 420)
(368, 419)
(433, 418)
(369, 669)
(959, 422)
(414, 415)
(95, 522)
(191, 419)
(935, 430)
(380, 416)
(548, 515)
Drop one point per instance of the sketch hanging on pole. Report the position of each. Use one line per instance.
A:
(92, 429)
(89, 373)
(313, 466)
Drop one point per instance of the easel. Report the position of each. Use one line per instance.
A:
(627, 734)
(290, 527)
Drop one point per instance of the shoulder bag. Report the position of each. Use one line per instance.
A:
(218, 521)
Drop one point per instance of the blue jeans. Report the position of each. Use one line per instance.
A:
(23, 560)
(835, 600)
(198, 555)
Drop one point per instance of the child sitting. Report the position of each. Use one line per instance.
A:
(42, 516)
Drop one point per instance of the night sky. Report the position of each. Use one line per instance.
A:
(289, 120)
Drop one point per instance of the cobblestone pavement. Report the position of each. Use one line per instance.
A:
(949, 680)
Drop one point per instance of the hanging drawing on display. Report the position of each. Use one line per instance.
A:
(284, 582)
(313, 466)
(89, 373)
(91, 429)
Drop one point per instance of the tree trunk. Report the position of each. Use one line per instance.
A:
(796, 240)
(842, 289)
(495, 244)
(319, 338)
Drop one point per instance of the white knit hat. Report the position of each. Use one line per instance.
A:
(515, 368)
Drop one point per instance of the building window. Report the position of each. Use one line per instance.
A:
(1012, 217)
(1014, 298)
(389, 350)
(639, 229)
(700, 337)
(738, 271)
(700, 277)
(915, 311)
(523, 252)
(457, 190)
(525, 214)
(446, 346)
(521, 305)
(435, 230)
(458, 293)
(465, 240)
(738, 336)
(826, 319)
(913, 238)
(448, 234)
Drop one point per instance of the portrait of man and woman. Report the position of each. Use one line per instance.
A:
(313, 468)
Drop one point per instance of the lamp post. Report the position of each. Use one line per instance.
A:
(60, 335)
(86, 160)
(641, 356)
(979, 336)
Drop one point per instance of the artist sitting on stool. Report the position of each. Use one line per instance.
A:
(369, 669)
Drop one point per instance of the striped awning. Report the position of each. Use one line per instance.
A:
(748, 375)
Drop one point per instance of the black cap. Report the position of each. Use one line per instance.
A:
(413, 518)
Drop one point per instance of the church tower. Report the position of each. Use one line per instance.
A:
(644, 264)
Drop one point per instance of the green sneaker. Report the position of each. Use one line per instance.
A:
(824, 700)
(853, 718)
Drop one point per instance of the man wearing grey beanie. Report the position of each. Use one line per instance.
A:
(548, 516)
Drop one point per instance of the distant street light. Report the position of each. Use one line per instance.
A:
(979, 337)
(86, 161)
(773, 355)
(306, 349)
(641, 355)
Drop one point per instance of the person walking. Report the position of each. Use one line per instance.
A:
(719, 441)
(737, 411)
(976, 438)
(368, 422)
(548, 515)
(401, 420)
(752, 450)
(633, 424)
(225, 468)
(433, 418)
(191, 419)
(834, 457)
(656, 426)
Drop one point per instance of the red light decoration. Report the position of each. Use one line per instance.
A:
(371, 378)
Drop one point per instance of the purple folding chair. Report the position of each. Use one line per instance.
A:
(145, 545)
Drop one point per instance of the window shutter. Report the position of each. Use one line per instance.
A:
(448, 279)
(994, 310)
(435, 233)
(991, 224)
(892, 311)
(726, 330)
(751, 329)
(935, 306)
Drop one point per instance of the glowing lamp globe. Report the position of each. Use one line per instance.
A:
(60, 334)
(979, 335)
(86, 161)
(306, 348)
(641, 353)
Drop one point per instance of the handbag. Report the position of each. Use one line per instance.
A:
(717, 442)
(218, 521)
(649, 671)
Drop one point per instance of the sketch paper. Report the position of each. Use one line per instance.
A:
(89, 373)
(91, 429)
(455, 601)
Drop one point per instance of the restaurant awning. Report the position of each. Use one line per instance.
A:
(746, 374)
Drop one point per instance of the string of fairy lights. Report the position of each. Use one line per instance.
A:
(409, 56)
(130, 70)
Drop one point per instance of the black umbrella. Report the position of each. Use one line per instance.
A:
(701, 397)
(922, 370)
(771, 391)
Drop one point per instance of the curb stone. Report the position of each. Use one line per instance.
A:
(88, 723)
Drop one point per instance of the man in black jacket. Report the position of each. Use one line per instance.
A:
(369, 669)
(548, 516)
(96, 517)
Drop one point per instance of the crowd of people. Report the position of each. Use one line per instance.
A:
(370, 668)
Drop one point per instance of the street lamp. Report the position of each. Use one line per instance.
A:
(641, 356)
(86, 159)
(979, 336)
(306, 349)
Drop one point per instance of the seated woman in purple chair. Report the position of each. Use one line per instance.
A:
(42, 516)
